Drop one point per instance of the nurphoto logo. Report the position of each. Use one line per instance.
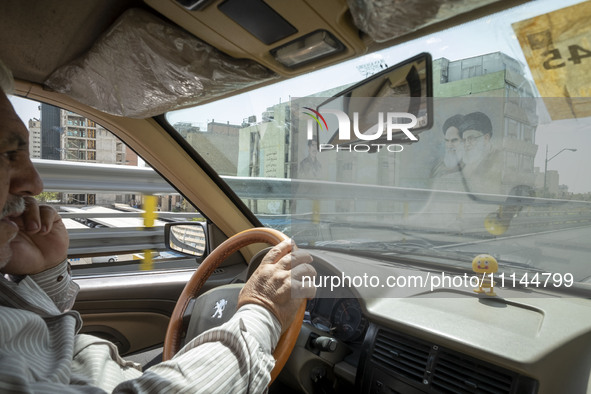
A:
(390, 122)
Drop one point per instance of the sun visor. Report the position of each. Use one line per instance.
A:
(383, 20)
(144, 66)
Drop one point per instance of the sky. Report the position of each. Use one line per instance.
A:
(573, 167)
(26, 109)
(572, 134)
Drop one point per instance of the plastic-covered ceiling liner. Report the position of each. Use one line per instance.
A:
(383, 20)
(144, 66)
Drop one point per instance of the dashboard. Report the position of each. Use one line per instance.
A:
(447, 340)
(340, 318)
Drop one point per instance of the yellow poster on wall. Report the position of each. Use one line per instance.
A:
(557, 47)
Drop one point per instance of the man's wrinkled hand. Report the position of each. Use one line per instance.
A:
(41, 243)
(277, 282)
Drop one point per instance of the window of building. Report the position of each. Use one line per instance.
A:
(527, 163)
(528, 133)
(511, 128)
(511, 161)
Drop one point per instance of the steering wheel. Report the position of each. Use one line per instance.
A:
(173, 339)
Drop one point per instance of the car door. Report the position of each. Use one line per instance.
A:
(129, 281)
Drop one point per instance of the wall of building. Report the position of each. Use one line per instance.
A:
(35, 138)
(494, 77)
(264, 151)
(50, 132)
(510, 105)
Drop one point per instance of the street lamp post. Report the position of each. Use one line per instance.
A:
(546, 164)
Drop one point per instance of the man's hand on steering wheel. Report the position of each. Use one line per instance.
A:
(277, 283)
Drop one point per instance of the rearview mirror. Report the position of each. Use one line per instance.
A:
(389, 107)
(186, 237)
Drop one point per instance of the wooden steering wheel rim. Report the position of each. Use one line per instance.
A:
(172, 341)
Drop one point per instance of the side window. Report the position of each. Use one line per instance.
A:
(107, 196)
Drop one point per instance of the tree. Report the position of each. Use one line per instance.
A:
(47, 196)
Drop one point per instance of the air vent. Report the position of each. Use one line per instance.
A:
(403, 355)
(407, 361)
(455, 373)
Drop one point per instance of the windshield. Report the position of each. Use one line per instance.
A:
(502, 170)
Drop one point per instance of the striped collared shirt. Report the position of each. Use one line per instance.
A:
(40, 351)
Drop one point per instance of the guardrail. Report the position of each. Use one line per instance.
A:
(161, 215)
(74, 177)
(113, 241)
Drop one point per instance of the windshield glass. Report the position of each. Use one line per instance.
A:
(502, 170)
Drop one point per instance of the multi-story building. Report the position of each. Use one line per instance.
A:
(264, 146)
(35, 138)
(265, 151)
(495, 84)
(495, 77)
(550, 180)
(84, 140)
(217, 134)
(65, 135)
(50, 132)
(185, 128)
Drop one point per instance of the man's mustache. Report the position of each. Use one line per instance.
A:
(15, 205)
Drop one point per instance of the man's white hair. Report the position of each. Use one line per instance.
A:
(6, 79)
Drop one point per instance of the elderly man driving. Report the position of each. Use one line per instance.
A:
(39, 348)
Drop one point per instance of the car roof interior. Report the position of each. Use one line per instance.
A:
(65, 30)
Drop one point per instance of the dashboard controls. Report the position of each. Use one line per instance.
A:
(324, 344)
(341, 318)
(348, 320)
(317, 374)
(322, 323)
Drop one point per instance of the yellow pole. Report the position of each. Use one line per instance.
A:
(149, 219)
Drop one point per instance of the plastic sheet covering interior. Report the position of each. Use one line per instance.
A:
(383, 20)
(144, 66)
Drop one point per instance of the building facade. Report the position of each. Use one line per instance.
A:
(50, 132)
(494, 84)
(35, 138)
